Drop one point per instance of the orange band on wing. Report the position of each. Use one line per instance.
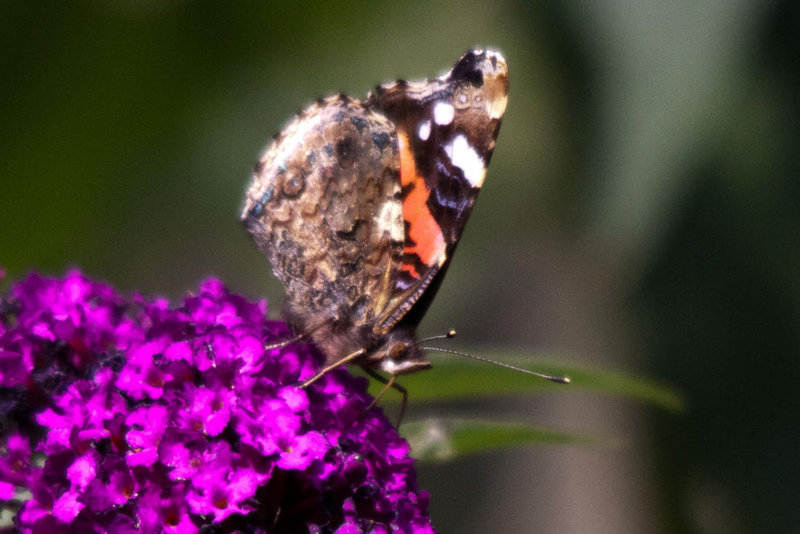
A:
(410, 269)
(426, 239)
(408, 169)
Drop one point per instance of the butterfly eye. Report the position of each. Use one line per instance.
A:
(398, 351)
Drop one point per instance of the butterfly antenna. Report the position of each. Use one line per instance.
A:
(449, 335)
(551, 378)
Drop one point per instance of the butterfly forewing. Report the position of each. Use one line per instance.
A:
(447, 129)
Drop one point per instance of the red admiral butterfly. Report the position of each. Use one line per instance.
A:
(359, 206)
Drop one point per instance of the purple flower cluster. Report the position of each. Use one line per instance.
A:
(126, 415)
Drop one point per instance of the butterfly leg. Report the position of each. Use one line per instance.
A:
(388, 383)
(286, 342)
(326, 370)
(301, 335)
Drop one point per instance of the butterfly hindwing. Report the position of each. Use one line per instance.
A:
(325, 208)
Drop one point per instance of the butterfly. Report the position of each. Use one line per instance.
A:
(359, 206)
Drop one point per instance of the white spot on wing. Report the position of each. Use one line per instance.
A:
(443, 113)
(463, 156)
(424, 130)
(389, 220)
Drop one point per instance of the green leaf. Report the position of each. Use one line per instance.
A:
(437, 439)
(456, 378)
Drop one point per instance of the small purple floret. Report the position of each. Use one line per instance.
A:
(128, 415)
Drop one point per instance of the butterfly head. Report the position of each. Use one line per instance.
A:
(398, 354)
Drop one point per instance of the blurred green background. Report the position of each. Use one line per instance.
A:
(641, 213)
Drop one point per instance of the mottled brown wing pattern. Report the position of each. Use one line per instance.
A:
(325, 208)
